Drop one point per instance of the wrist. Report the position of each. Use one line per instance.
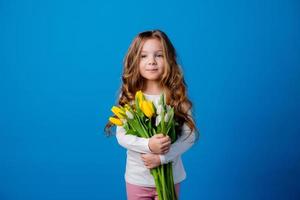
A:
(162, 159)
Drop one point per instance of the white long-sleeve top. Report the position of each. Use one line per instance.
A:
(136, 172)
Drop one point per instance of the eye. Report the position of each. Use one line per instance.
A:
(159, 55)
(143, 56)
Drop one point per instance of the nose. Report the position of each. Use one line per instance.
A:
(151, 60)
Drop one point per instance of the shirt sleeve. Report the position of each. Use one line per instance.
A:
(132, 142)
(181, 145)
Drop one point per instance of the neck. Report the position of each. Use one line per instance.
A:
(153, 87)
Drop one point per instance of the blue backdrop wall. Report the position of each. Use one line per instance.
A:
(60, 70)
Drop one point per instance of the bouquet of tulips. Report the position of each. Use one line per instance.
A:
(143, 119)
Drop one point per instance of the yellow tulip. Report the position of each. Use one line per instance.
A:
(127, 106)
(115, 121)
(147, 108)
(140, 97)
(118, 111)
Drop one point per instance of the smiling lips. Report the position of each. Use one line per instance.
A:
(151, 70)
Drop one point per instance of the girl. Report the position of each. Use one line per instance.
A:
(151, 66)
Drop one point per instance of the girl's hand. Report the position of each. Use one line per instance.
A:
(151, 160)
(159, 143)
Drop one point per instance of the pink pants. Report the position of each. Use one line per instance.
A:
(135, 192)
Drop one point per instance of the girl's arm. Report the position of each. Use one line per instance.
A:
(132, 142)
(158, 143)
(181, 145)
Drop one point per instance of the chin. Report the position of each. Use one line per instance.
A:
(152, 78)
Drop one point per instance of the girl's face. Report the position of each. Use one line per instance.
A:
(151, 65)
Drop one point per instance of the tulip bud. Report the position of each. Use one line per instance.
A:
(147, 108)
(157, 120)
(159, 109)
(166, 117)
(129, 114)
(115, 121)
(139, 97)
(118, 111)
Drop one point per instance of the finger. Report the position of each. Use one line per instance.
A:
(166, 144)
(165, 139)
(166, 148)
(166, 151)
(144, 158)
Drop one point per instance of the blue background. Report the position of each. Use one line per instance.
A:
(60, 70)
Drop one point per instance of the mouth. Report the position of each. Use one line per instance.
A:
(152, 70)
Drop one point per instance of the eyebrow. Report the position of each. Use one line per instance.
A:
(154, 51)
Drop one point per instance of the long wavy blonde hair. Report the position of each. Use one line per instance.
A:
(172, 80)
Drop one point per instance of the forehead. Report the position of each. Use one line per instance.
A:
(152, 44)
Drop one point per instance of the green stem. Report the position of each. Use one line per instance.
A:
(164, 188)
(156, 175)
(163, 122)
(172, 185)
(142, 126)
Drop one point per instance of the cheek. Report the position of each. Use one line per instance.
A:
(162, 68)
(142, 69)
(142, 64)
